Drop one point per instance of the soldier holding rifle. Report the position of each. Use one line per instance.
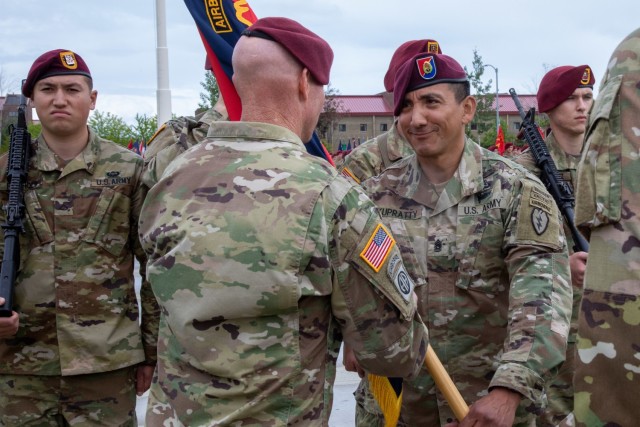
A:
(566, 95)
(75, 350)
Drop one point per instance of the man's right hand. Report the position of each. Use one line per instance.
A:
(578, 265)
(350, 362)
(8, 325)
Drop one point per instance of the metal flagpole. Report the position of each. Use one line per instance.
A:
(163, 93)
(497, 99)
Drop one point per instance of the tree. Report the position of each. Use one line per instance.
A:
(145, 127)
(484, 119)
(111, 127)
(34, 130)
(212, 92)
(489, 137)
(329, 114)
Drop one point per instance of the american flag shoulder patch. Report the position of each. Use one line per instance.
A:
(346, 172)
(378, 248)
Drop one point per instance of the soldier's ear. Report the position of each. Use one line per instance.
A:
(94, 98)
(469, 109)
(304, 84)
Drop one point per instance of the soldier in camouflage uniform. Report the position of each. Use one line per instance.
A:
(178, 135)
(175, 137)
(607, 378)
(566, 95)
(263, 257)
(79, 354)
(482, 240)
(375, 155)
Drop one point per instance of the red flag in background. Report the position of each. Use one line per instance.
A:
(220, 27)
(500, 140)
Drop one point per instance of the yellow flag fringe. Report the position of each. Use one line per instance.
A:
(390, 402)
(386, 397)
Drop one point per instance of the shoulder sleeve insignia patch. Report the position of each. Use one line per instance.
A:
(539, 220)
(378, 248)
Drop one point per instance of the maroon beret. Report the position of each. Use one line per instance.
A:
(425, 70)
(307, 47)
(54, 63)
(558, 85)
(406, 51)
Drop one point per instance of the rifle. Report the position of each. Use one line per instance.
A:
(17, 167)
(557, 187)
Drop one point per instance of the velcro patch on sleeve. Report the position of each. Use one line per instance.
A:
(378, 248)
(397, 273)
(390, 277)
(538, 219)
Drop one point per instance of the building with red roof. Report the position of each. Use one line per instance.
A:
(358, 118)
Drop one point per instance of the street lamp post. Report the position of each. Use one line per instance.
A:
(497, 99)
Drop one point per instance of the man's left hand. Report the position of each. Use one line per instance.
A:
(144, 375)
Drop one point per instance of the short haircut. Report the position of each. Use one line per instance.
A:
(460, 90)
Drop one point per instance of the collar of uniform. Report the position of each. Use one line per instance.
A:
(470, 168)
(253, 131)
(562, 160)
(468, 175)
(211, 115)
(397, 146)
(404, 176)
(46, 159)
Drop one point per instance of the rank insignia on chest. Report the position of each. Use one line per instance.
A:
(486, 191)
(539, 220)
(377, 248)
(437, 246)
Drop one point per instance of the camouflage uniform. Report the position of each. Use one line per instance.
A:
(257, 257)
(75, 288)
(174, 138)
(560, 389)
(375, 155)
(492, 287)
(607, 379)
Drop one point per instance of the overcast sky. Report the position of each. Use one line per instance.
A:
(117, 38)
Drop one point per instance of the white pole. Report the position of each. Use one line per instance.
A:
(497, 99)
(497, 104)
(163, 93)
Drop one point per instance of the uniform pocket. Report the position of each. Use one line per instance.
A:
(109, 226)
(481, 261)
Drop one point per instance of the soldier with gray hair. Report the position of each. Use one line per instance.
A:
(263, 257)
(607, 373)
